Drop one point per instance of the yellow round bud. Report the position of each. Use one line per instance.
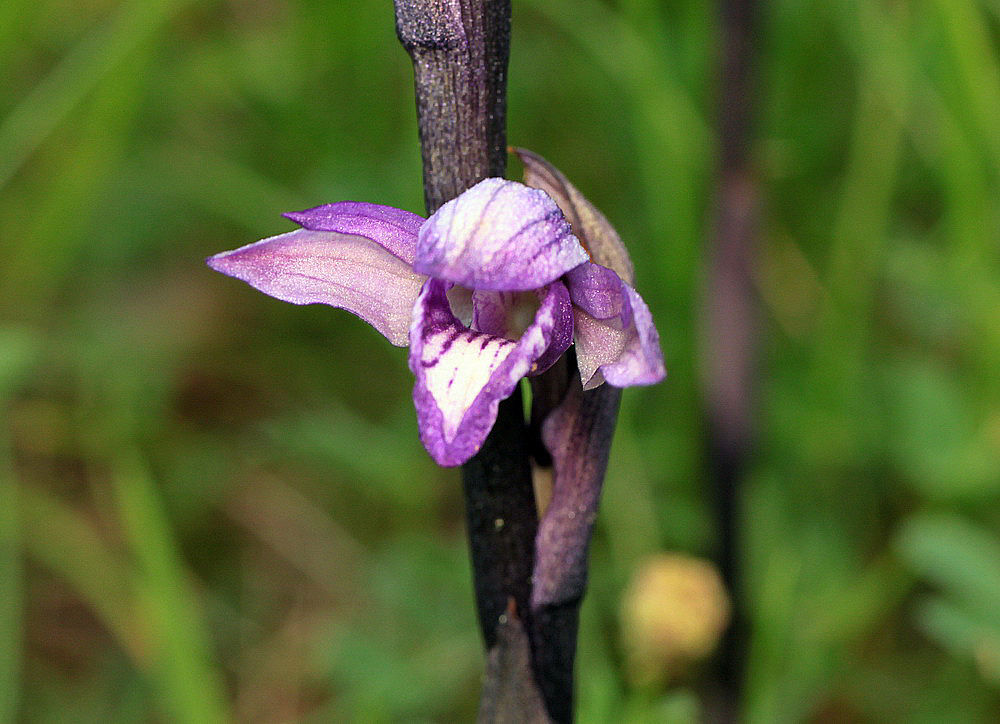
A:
(673, 614)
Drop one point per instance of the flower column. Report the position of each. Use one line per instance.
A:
(460, 50)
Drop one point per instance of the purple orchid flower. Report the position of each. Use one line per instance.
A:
(493, 287)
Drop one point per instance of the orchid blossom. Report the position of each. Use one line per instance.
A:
(493, 287)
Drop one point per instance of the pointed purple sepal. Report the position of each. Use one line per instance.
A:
(395, 229)
(616, 340)
(317, 267)
(589, 225)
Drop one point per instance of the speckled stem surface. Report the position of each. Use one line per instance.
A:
(460, 50)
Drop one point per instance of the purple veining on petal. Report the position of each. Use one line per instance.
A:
(499, 235)
(616, 340)
(462, 374)
(509, 314)
(395, 229)
(342, 270)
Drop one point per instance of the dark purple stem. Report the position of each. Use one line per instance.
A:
(460, 50)
(730, 320)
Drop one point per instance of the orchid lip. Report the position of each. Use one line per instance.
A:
(462, 373)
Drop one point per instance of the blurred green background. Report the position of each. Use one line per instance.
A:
(214, 505)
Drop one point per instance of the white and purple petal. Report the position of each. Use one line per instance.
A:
(616, 340)
(343, 270)
(462, 374)
(395, 229)
(499, 235)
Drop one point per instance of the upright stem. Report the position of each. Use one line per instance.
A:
(731, 322)
(460, 50)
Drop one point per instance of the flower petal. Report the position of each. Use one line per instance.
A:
(395, 229)
(561, 310)
(499, 235)
(615, 337)
(597, 343)
(597, 290)
(641, 362)
(342, 270)
(589, 225)
(462, 374)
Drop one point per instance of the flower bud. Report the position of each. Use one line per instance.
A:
(673, 615)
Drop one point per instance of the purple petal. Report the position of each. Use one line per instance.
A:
(597, 290)
(641, 362)
(346, 271)
(510, 315)
(395, 229)
(493, 312)
(589, 224)
(559, 309)
(616, 340)
(499, 235)
(462, 374)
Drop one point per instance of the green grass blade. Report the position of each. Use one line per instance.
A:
(977, 67)
(182, 665)
(865, 209)
(70, 82)
(66, 542)
(11, 593)
(109, 78)
(676, 139)
(961, 557)
(13, 15)
(17, 352)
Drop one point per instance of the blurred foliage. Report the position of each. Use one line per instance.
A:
(214, 506)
